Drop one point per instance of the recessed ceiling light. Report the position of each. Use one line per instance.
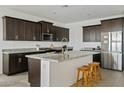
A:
(54, 12)
(64, 6)
(89, 14)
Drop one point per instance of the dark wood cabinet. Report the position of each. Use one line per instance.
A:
(92, 33)
(29, 29)
(86, 36)
(38, 32)
(34, 72)
(66, 33)
(13, 29)
(98, 34)
(111, 25)
(18, 29)
(46, 26)
(14, 63)
(59, 33)
(24, 30)
(32, 31)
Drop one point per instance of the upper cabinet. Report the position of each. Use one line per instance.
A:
(92, 33)
(46, 26)
(13, 29)
(32, 31)
(111, 25)
(24, 30)
(59, 33)
(17, 29)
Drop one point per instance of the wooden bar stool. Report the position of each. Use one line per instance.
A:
(95, 69)
(85, 75)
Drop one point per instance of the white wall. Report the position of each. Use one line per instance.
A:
(21, 44)
(76, 34)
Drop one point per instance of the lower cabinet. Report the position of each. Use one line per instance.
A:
(14, 63)
(34, 72)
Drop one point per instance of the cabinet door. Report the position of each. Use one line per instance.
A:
(106, 26)
(98, 34)
(86, 35)
(10, 26)
(29, 31)
(13, 29)
(92, 33)
(59, 34)
(54, 31)
(23, 62)
(13, 64)
(66, 33)
(20, 31)
(46, 27)
(116, 25)
(37, 34)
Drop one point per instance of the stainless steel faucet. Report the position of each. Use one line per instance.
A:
(64, 40)
(37, 47)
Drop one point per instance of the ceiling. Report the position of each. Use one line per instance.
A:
(69, 13)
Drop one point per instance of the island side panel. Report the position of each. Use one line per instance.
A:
(64, 74)
(34, 72)
(45, 69)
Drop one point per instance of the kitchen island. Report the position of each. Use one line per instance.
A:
(56, 69)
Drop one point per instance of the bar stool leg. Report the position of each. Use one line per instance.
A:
(78, 73)
(82, 78)
(86, 78)
(95, 74)
(100, 73)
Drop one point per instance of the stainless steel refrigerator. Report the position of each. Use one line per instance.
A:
(111, 50)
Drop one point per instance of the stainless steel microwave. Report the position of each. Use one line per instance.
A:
(47, 37)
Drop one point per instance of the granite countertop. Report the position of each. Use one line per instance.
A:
(90, 50)
(59, 57)
(26, 50)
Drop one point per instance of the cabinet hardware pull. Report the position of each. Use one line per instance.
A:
(34, 38)
(16, 37)
(19, 60)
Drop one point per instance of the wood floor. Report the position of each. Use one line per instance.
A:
(110, 79)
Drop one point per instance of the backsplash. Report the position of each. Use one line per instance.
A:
(90, 45)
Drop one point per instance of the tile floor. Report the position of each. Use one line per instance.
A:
(18, 80)
(110, 79)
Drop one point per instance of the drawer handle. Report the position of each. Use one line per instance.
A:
(16, 37)
(19, 60)
(34, 38)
